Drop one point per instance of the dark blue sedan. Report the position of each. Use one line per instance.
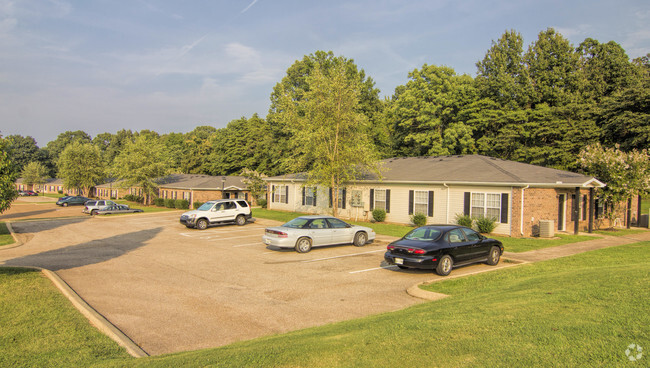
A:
(72, 201)
(442, 247)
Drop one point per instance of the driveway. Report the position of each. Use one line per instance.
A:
(173, 289)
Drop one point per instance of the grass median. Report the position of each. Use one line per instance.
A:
(5, 235)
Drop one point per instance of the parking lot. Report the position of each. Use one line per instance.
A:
(172, 289)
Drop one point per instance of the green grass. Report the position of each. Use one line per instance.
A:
(620, 232)
(5, 235)
(576, 311)
(518, 245)
(40, 328)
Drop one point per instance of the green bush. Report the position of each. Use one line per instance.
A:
(262, 202)
(182, 204)
(160, 202)
(379, 214)
(464, 220)
(60, 191)
(170, 203)
(197, 204)
(134, 198)
(486, 225)
(419, 219)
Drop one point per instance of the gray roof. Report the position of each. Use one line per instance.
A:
(468, 169)
(194, 182)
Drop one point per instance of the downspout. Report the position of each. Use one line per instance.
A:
(447, 211)
(521, 223)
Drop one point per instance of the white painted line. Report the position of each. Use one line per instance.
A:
(372, 269)
(249, 244)
(232, 237)
(346, 255)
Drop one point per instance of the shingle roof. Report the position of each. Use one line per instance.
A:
(194, 181)
(470, 169)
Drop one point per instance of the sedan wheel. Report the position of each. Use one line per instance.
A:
(65, 205)
(303, 245)
(445, 265)
(202, 224)
(495, 255)
(360, 239)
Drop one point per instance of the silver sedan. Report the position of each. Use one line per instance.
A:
(305, 232)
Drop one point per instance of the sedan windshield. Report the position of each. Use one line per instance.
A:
(296, 223)
(423, 233)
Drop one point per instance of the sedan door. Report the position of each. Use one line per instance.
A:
(320, 232)
(460, 248)
(342, 233)
(478, 248)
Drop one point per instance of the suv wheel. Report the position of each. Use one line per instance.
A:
(240, 220)
(93, 212)
(202, 224)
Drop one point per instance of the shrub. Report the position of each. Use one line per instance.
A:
(419, 219)
(262, 202)
(160, 202)
(182, 204)
(197, 204)
(486, 225)
(379, 215)
(170, 203)
(464, 220)
(60, 191)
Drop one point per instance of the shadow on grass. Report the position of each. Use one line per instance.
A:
(93, 252)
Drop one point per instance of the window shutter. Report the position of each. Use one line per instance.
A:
(410, 202)
(344, 199)
(504, 208)
(286, 194)
(303, 196)
(330, 197)
(246, 196)
(315, 189)
(372, 199)
(387, 200)
(272, 193)
(467, 203)
(430, 203)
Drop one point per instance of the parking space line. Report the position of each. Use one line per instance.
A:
(345, 255)
(246, 245)
(231, 237)
(372, 269)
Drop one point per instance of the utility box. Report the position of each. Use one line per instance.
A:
(546, 228)
(643, 221)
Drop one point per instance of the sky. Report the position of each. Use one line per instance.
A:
(170, 66)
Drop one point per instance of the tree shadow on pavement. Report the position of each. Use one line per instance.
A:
(93, 252)
(26, 214)
(34, 226)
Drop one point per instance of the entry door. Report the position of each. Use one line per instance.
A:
(561, 211)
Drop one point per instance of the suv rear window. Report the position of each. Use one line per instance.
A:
(243, 203)
(90, 203)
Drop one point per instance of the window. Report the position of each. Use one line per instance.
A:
(280, 194)
(471, 235)
(318, 224)
(421, 202)
(337, 224)
(309, 196)
(380, 199)
(456, 236)
(487, 205)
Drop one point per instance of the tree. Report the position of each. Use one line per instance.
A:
(35, 173)
(330, 132)
(198, 149)
(8, 190)
(425, 113)
(255, 183)
(626, 173)
(605, 67)
(23, 150)
(56, 147)
(140, 163)
(80, 166)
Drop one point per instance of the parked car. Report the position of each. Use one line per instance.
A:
(27, 193)
(118, 208)
(72, 201)
(217, 212)
(442, 247)
(93, 206)
(305, 232)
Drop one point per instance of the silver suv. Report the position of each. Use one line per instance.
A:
(93, 206)
(216, 212)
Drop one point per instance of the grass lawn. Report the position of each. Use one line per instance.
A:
(576, 311)
(518, 245)
(620, 232)
(40, 328)
(5, 236)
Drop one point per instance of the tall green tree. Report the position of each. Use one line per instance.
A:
(330, 131)
(605, 68)
(198, 148)
(80, 166)
(8, 175)
(427, 113)
(35, 173)
(23, 150)
(140, 163)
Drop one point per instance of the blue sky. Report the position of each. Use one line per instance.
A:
(169, 66)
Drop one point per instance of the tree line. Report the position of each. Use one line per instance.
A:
(542, 104)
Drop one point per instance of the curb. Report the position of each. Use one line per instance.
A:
(17, 243)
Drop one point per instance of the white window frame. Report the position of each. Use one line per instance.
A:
(280, 194)
(310, 196)
(422, 201)
(377, 200)
(481, 202)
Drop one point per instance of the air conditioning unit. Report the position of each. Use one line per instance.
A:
(546, 228)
